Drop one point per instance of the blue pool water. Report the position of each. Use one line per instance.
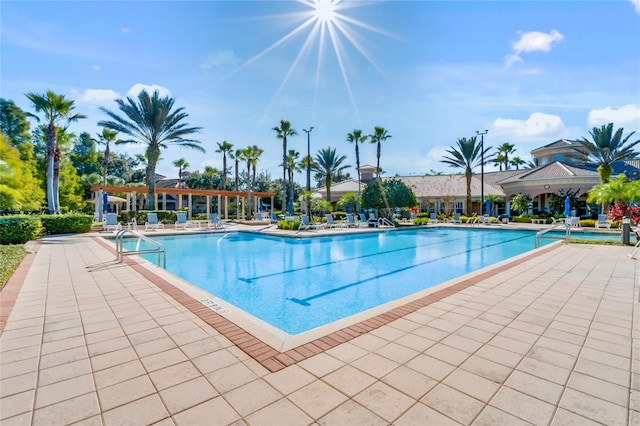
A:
(299, 284)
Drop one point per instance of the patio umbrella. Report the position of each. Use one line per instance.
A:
(261, 206)
(567, 207)
(488, 207)
(290, 207)
(105, 201)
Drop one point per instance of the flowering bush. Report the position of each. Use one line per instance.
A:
(617, 212)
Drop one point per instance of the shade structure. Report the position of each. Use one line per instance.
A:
(109, 199)
(567, 207)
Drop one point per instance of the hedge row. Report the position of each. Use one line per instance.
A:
(20, 228)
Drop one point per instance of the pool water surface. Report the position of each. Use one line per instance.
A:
(297, 285)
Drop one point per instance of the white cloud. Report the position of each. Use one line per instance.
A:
(538, 125)
(532, 41)
(125, 30)
(99, 97)
(96, 67)
(627, 116)
(139, 87)
(636, 3)
(217, 59)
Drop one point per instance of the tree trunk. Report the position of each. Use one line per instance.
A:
(50, 138)
(284, 172)
(56, 179)
(468, 200)
(249, 191)
(153, 154)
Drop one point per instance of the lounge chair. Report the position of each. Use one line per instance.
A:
(574, 222)
(260, 217)
(602, 221)
(111, 223)
(333, 224)
(632, 254)
(433, 218)
(372, 221)
(181, 221)
(214, 221)
(305, 225)
(352, 222)
(274, 218)
(152, 222)
(456, 218)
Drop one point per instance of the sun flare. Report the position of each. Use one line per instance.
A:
(325, 10)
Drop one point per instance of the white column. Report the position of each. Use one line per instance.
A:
(164, 201)
(134, 202)
(189, 205)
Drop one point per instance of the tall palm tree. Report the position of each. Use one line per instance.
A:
(55, 109)
(283, 132)
(153, 122)
(517, 162)
(498, 160)
(224, 148)
(251, 155)
(182, 166)
(607, 147)
(505, 150)
(237, 157)
(380, 134)
(533, 163)
(466, 155)
(328, 164)
(357, 138)
(293, 165)
(105, 138)
(211, 173)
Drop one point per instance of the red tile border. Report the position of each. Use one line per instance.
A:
(272, 359)
(10, 292)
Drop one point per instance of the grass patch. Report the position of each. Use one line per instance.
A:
(10, 258)
(597, 242)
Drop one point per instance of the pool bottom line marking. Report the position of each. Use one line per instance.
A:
(306, 300)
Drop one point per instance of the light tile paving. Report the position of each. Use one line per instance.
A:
(552, 339)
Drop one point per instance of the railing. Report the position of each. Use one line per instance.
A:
(386, 222)
(567, 227)
(159, 248)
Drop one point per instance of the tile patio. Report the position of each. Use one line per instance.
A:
(552, 339)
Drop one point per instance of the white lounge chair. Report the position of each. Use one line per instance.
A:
(632, 254)
(574, 222)
(214, 221)
(456, 218)
(305, 225)
(433, 218)
(111, 222)
(333, 224)
(152, 222)
(351, 221)
(372, 221)
(602, 221)
(181, 221)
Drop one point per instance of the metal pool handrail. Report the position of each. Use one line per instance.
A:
(120, 252)
(567, 226)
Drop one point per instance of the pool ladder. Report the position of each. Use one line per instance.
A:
(567, 237)
(121, 252)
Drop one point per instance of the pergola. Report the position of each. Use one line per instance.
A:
(161, 197)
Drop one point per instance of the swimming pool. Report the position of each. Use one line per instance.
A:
(298, 285)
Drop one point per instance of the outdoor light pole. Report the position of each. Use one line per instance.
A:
(308, 158)
(478, 132)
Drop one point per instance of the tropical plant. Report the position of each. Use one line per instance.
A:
(557, 200)
(607, 147)
(55, 109)
(357, 138)
(505, 150)
(292, 166)
(182, 166)
(210, 173)
(494, 199)
(328, 164)
(105, 138)
(348, 202)
(521, 203)
(305, 200)
(517, 162)
(380, 134)
(251, 154)
(224, 148)
(617, 190)
(467, 155)
(282, 132)
(152, 121)
(533, 163)
(498, 160)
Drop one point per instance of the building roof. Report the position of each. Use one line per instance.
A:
(342, 187)
(562, 143)
(448, 185)
(553, 170)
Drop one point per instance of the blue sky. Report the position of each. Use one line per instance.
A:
(430, 72)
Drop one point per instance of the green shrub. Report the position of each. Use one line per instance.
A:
(588, 223)
(70, 223)
(164, 216)
(10, 258)
(18, 229)
(522, 218)
(289, 224)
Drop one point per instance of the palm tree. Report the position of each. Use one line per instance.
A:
(328, 164)
(293, 165)
(517, 162)
(211, 173)
(505, 149)
(152, 122)
(532, 164)
(357, 138)
(466, 155)
(617, 190)
(251, 155)
(607, 147)
(380, 134)
(105, 138)
(498, 160)
(224, 147)
(282, 132)
(237, 156)
(182, 166)
(55, 109)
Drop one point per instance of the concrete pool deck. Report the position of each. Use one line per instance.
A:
(552, 339)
